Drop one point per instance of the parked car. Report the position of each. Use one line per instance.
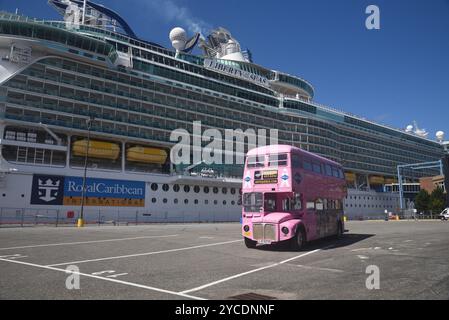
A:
(445, 214)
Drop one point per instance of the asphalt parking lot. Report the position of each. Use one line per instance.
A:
(210, 261)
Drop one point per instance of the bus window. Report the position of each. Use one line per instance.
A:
(310, 205)
(296, 162)
(340, 172)
(286, 205)
(335, 172)
(277, 160)
(255, 162)
(297, 203)
(319, 205)
(270, 202)
(328, 170)
(316, 167)
(253, 201)
(307, 165)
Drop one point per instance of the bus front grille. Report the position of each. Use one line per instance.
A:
(269, 232)
(264, 231)
(258, 231)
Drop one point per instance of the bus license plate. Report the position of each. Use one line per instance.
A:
(264, 241)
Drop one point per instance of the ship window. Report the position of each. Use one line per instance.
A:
(176, 187)
(232, 190)
(186, 188)
(206, 189)
(215, 202)
(233, 202)
(165, 187)
(196, 189)
(153, 200)
(224, 190)
(154, 186)
(196, 201)
(224, 202)
(215, 190)
(186, 201)
(175, 201)
(206, 201)
(165, 200)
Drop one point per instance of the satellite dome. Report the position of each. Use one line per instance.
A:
(409, 128)
(178, 38)
(440, 135)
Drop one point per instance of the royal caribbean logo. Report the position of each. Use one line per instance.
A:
(47, 190)
(65, 190)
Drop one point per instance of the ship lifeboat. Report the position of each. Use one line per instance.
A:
(390, 180)
(350, 176)
(376, 180)
(146, 155)
(97, 149)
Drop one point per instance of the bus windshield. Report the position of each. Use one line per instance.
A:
(252, 201)
(255, 201)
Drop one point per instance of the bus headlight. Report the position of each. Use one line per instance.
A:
(284, 230)
(246, 228)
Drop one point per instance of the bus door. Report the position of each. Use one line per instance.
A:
(311, 220)
(333, 212)
(322, 218)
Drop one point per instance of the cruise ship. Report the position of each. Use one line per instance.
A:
(86, 97)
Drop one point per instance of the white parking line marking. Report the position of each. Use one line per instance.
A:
(86, 242)
(251, 271)
(144, 254)
(13, 256)
(131, 284)
(117, 275)
(318, 268)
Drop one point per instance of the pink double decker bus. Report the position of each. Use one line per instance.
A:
(289, 194)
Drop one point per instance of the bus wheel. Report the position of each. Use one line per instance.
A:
(299, 240)
(251, 244)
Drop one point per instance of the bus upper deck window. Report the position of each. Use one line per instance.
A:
(316, 167)
(307, 165)
(340, 173)
(328, 170)
(255, 162)
(335, 172)
(296, 162)
(277, 160)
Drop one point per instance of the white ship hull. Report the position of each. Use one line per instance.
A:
(158, 206)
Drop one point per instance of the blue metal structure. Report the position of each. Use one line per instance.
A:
(415, 166)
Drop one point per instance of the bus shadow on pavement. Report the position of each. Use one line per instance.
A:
(323, 244)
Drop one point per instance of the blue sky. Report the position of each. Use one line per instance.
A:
(394, 75)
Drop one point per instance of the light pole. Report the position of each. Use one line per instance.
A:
(86, 157)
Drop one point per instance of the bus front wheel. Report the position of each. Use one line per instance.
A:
(251, 244)
(299, 240)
